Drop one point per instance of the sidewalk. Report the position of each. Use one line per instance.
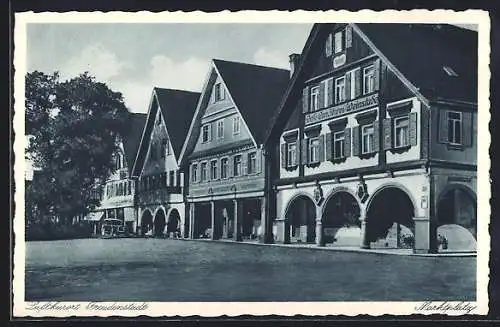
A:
(401, 252)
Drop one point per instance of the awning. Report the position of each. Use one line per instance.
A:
(95, 216)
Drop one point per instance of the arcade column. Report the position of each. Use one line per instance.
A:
(212, 218)
(191, 220)
(238, 215)
(319, 228)
(365, 244)
(422, 234)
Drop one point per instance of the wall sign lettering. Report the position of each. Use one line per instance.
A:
(342, 109)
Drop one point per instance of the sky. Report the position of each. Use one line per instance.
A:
(134, 58)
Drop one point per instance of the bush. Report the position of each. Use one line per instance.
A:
(50, 231)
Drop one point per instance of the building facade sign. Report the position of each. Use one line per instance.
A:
(342, 109)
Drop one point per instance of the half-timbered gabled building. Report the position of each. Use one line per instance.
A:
(223, 150)
(374, 143)
(159, 200)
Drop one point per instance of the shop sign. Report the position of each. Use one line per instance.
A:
(342, 109)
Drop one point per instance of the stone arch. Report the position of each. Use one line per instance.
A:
(293, 198)
(338, 190)
(456, 228)
(394, 185)
(173, 222)
(300, 219)
(390, 226)
(340, 217)
(146, 221)
(159, 222)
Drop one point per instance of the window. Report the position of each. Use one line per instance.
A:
(252, 163)
(220, 129)
(339, 45)
(213, 169)
(237, 165)
(194, 173)
(292, 154)
(203, 176)
(223, 168)
(367, 134)
(165, 149)
(236, 125)
(314, 98)
(218, 92)
(340, 90)
(455, 127)
(338, 145)
(171, 178)
(368, 79)
(401, 136)
(205, 133)
(314, 150)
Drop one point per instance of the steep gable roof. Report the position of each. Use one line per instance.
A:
(132, 138)
(177, 109)
(420, 52)
(255, 90)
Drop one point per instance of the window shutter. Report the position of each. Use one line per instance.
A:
(303, 149)
(357, 83)
(329, 92)
(347, 142)
(443, 126)
(348, 36)
(211, 131)
(258, 161)
(328, 146)
(355, 141)
(467, 129)
(230, 166)
(387, 133)
(376, 74)
(328, 45)
(376, 136)
(321, 94)
(305, 99)
(244, 161)
(412, 129)
(283, 155)
(348, 86)
(321, 148)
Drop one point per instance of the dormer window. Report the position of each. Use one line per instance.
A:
(339, 42)
(450, 71)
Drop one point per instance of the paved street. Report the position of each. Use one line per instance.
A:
(177, 270)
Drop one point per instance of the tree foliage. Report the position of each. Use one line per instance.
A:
(74, 128)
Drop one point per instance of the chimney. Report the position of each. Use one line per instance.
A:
(294, 62)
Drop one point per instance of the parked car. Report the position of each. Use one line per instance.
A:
(113, 228)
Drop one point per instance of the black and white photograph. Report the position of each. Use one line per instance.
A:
(287, 163)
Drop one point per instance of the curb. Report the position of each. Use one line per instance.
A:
(338, 249)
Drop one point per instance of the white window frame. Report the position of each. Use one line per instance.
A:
(194, 173)
(236, 125)
(338, 45)
(313, 150)
(338, 137)
(208, 127)
(341, 86)
(289, 161)
(220, 129)
(237, 172)
(223, 167)
(368, 79)
(455, 122)
(203, 171)
(213, 170)
(406, 130)
(369, 147)
(252, 163)
(314, 98)
(218, 92)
